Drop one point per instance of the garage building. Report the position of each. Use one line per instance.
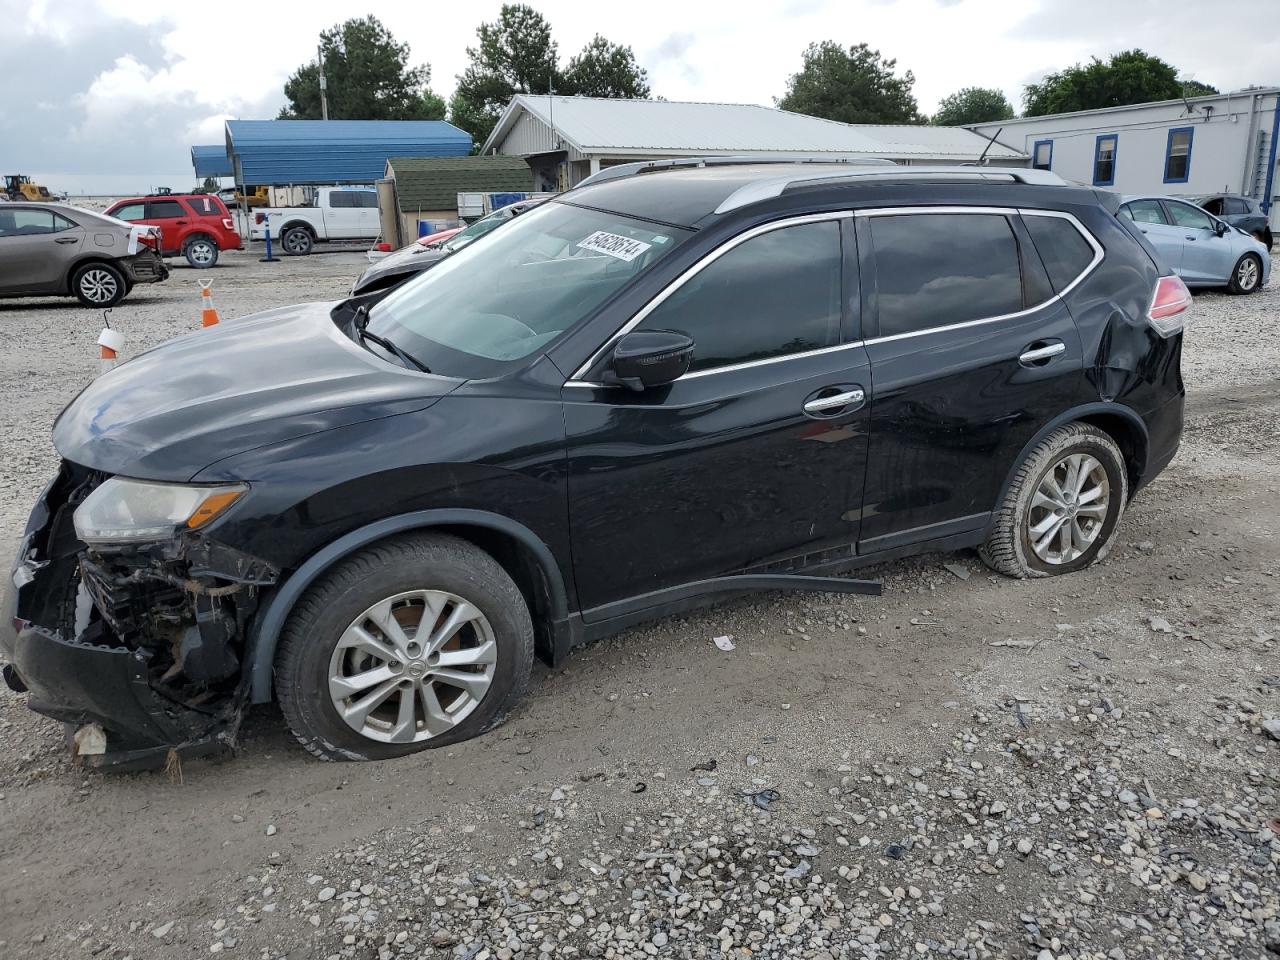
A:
(566, 139)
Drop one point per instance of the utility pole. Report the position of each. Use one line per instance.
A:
(324, 87)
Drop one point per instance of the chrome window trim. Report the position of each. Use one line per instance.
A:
(693, 271)
(1098, 254)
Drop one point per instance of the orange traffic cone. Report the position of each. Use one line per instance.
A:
(209, 313)
(110, 343)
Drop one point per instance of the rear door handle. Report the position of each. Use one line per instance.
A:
(1040, 353)
(824, 405)
(66, 240)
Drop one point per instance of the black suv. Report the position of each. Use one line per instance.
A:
(680, 381)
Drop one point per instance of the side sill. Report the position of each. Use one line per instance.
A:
(932, 531)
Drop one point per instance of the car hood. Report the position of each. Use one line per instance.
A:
(172, 411)
(407, 260)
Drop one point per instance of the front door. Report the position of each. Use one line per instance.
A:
(756, 455)
(37, 248)
(1206, 256)
(972, 356)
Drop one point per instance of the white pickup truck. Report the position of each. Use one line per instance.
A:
(335, 213)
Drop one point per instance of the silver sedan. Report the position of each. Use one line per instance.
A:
(1203, 250)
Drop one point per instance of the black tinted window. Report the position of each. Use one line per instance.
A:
(165, 210)
(1232, 207)
(934, 269)
(774, 294)
(366, 199)
(1063, 250)
(341, 199)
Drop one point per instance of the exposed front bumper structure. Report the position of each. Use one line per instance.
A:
(146, 641)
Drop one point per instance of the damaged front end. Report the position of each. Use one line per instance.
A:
(145, 639)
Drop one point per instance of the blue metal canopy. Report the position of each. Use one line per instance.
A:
(334, 151)
(211, 160)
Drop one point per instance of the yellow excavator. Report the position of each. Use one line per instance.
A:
(19, 187)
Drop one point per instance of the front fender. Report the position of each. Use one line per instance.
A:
(265, 633)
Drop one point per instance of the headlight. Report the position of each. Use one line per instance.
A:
(131, 511)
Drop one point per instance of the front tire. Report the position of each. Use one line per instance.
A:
(1246, 275)
(297, 241)
(415, 642)
(201, 252)
(99, 285)
(1061, 511)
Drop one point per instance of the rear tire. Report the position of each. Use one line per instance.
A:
(297, 241)
(201, 252)
(372, 626)
(1246, 275)
(99, 285)
(1062, 508)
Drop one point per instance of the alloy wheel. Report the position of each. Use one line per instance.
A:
(412, 666)
(295, 241)
(202, 252)
(1068, 509)
(98, 285)
(1247, 273)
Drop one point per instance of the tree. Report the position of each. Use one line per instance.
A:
(1194, 88)
(515, 55)
(972, 105)
(605, 69)
(1130, 76)
(853, 86)
(368, 78)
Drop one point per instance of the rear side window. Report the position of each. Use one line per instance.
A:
(1233, 207)
(366, 199)
(1065, 253)
(936, 269)
(165, 210)
(205, 206)
(29, 223)
(772, 295)
(1143, 211)
(130, 211)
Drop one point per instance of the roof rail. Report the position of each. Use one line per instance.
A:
(776, 186)
(654, 166)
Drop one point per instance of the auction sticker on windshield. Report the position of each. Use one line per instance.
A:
(624, 248)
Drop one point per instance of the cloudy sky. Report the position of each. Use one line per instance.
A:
(108, 95)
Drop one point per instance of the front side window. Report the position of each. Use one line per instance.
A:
(1177, 155)
(130, 211)
(1185, 215)
(165, 210)
(1104, 160)
(1042, 155)
(1143, 211)
(775, 294)
(496, 302)
(342, 199)
(936, 269)
(25, 222)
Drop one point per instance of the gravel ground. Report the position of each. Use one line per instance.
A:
(967, 767)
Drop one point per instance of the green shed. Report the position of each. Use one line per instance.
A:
(427, 188)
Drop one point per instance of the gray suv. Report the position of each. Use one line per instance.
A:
(51, 249)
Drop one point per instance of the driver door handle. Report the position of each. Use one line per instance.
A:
(835, 401)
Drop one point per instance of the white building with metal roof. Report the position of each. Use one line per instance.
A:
(565, 139)
(1222, 143)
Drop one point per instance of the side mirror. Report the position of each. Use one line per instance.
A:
(649, 358)
(1220, 228)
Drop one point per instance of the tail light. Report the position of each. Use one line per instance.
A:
(1168, 312)
(258, 218)
(228, 223)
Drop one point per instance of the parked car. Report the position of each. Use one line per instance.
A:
(192, 225)
(338, 213)
(653, 391)
(1243, 213)
(50, 249)
(1203, 250)
(411, 260)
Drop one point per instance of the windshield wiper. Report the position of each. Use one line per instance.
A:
(406, 358)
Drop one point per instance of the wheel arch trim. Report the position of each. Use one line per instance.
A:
(270, 621)
(1086, 413)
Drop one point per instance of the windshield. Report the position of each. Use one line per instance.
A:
(501, 300)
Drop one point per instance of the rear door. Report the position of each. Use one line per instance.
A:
(1154, 223)
(341, 218)
(367, 217)
(971, 353)
(756, 456)
(37, 248)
